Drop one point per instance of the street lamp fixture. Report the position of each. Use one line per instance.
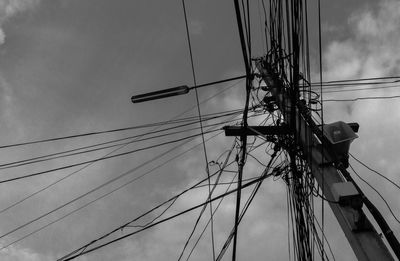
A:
(160, 94)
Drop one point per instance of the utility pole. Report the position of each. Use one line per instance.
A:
(329, 169)
(323, 148)
(344, 198)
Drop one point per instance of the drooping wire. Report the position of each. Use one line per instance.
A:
(89, 192)
(377, 192)
(209, 220)
(126, 128)
(266, 173)
(89, 164)
(81, 249)
(137, 138)
(116, 189)
(51, 184)
(361, 89)
(201, 124)
(190, 188)
(165, 219)
(363, 98)
(376, 172)
(96, 188)
(243, 138)
(101, 159)
(313, 221)
(204, 208)
(397, 78)
(229, 185)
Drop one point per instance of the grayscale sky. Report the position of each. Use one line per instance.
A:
(71, 66)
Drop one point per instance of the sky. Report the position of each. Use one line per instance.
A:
(71, 66)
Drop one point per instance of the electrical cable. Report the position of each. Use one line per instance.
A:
(362, 89)
(358, 80)
(125, 128)
(376, 172)
(363, 98)
(44, 188)
(89, 134)
(209, 220)
(380, 220)
(85, 194)
(197, 221)
(89, 192)
(116, 189)
(94, 189)
(243, 138)
(90, 164)
(377, 192)
(62, 206)
(192, 187)
(314, 219)
(204, 208)
(263, 176)
(201, 123)
(100, 159)
(82, 196)
(164, 220)
(77, 151)
(138, 217)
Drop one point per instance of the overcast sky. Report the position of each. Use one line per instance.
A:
(71, 66)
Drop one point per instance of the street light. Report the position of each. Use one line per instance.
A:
(160, 94)
(175, 91)
(340, 135)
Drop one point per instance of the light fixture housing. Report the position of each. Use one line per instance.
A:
(160, 94)
(340, 135)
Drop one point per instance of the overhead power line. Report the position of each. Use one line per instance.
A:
(95, 189)
(88, 149)
(246, 53)
(358, 80)
(149, 125)
(201, 124)
(53, 183)
(100, 159)
(163, 220)
(137, 218)
(376, 172)
(109, 153)
(362, 89)
(124, 185)
(377, 192)
(363, 98)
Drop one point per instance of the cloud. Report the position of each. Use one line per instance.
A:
(196, 27)
(22, 254)
(7, 105)
(11, 8)
(370, 51)
(330, 28)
